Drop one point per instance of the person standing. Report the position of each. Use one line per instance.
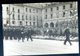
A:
(67, 34)
(29, 34)
(18, 34)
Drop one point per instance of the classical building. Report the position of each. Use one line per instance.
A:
(19, 15)
(58, 16)
(55, 16)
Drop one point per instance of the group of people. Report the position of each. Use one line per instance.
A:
(28, 34)
(18, 34)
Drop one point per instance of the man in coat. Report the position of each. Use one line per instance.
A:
(67, 34)
(29, 34)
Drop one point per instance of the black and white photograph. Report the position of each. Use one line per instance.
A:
(40, 28)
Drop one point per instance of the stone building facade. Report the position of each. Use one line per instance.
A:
(56, 16)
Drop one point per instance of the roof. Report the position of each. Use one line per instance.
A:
(42, 5)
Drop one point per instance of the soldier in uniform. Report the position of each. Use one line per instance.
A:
(19, 34)
(14, 34)
(23, 34)
(30, 32)
(67, 34)
(10, 34)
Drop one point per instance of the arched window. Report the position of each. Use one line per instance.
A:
(46, 25)
(51, 24)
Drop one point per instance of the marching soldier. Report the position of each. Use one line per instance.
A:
(23, 36)
(67, 34)
(30, 32)
(19, 34)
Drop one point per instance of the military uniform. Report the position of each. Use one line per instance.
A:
(67, 34)
(30, 32)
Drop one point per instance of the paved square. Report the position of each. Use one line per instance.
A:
(38, 47)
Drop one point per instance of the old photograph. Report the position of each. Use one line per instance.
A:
(40, 28)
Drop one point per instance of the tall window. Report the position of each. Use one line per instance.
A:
(30, 23)
(51, 24)
(51, 9)
(22, 17)
(51, 16)
(13, 9)
(18, 17)
(7, 8)
(18, 10)
(63, 14)
(64, 7)
(30, 10)
(7, 21)
(13, 22)
(30, 17)
(13, 16)
(20, 22)
(71, 5)
(57, 8)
